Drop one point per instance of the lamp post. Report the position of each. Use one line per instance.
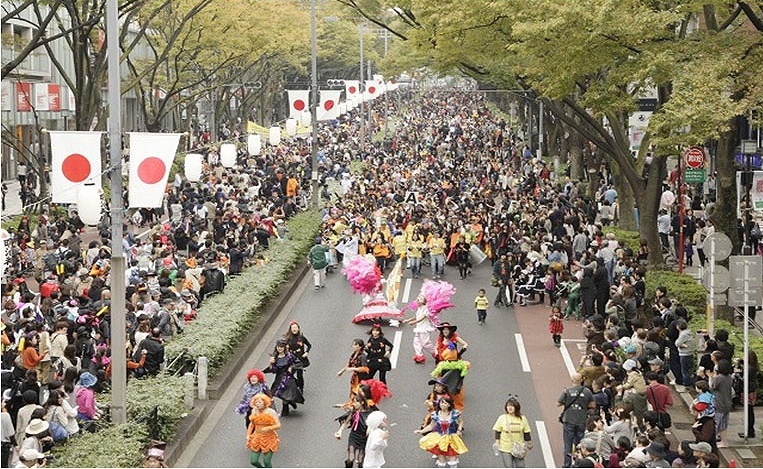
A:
(118, 359)
(362, 103)
(314, 103)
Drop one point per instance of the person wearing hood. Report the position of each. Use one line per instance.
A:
(376, 429)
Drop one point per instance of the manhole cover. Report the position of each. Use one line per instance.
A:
(745, 453)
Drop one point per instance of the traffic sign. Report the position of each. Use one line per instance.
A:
(695, 157)
(718, 245)
(746, 271)
(720, 279)
(754, 296)
(692, 176)
(749, 146)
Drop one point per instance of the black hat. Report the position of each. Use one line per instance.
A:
(437, 381)
(450, 326)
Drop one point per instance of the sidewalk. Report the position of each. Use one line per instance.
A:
(744, 454)
(12, 199)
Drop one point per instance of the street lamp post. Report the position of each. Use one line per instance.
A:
(361, 86)
(118, 358)
(314, 103)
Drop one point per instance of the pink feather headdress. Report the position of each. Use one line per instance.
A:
(438, 295)
(363, 274)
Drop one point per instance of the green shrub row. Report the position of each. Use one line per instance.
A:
(625, 238)
(221, 324)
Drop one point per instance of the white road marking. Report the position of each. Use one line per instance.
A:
(545, 444)
(406, 291)
(566, 354)
(522, 353)
(396, 348)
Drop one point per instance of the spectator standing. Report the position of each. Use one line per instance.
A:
(720, 386)
(318, 262)
(575, 402)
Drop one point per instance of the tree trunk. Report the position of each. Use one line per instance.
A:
(576, 154)
(650, 204)
(625, 200)
(724, 214)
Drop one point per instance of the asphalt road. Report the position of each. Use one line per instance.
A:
(498, 370)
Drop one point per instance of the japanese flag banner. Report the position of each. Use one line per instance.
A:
(151, 156)
(351, 88)
(329, 105)
(299, 101)
(76, 159)
(372, 89)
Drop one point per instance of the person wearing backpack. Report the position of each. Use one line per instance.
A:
(575, 401)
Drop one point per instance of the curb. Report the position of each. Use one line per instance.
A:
(201, 409)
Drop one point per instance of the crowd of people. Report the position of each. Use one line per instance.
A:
(455, 185)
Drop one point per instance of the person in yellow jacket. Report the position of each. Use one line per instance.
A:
(399, 245)
(381, 250)
(436, 247)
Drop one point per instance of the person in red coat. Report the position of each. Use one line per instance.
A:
(556, 325)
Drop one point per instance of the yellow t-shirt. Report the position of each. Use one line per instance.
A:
(512, 429)
(437, 246)
(481, 302)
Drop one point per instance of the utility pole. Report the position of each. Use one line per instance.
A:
(361, 86)
(314, 104)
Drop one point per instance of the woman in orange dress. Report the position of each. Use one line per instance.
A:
(261, 436)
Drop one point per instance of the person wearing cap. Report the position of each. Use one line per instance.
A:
(633, 390)
(700, 449)
(31, 457)
(87, 409)
(656, 452)
(317, 258)
(659, 397)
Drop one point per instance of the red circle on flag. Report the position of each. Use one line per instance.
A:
(328, 105)
(372, 89)
(299, 104)
(76, 167)
(151, 170)
(352, 90)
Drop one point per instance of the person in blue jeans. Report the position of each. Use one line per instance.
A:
(575, 402)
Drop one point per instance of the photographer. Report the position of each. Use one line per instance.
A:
(576, 401)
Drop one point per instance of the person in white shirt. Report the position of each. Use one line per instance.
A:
(376, 424)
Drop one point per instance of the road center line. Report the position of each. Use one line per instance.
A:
(406, 292)
(396, 348)
(522, 353)
(545, 444)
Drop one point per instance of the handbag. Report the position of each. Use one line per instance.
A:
(518, 450)
(18, 362)
(663, 418)
(58, 431)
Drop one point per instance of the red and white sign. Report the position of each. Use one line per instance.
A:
(76, 158)
(54, 97)
(372, 89)
(351, 88)
(329, 105)
(695, 157)
(151, 156)
(299, 101)
(23, 96)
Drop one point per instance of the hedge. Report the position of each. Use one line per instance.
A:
(221, 324)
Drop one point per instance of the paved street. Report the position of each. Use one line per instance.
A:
(497, 370)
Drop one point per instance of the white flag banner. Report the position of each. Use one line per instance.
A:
(379, 79)
(329, 105)
(351, 88)
(76, 159)
(372, 89)
(151, 156)
(299, 100)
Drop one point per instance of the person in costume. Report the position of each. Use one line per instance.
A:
(376, 443)
(365, 278)
(452, 370)
(261, 436)
(439, 390)
(358, 365)
(368, 394)
(444, 441)
(378, 349)
(300, 347)
(282, 364)
(447, 335)
(434, 297)
(255, 384)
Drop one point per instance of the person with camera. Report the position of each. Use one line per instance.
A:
(575, 401)
(586, 456)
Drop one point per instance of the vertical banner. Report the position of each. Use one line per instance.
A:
(372, 89)
(329, 105)
(23, 97)
(151, 156)
(41, 97)
(76, 159)
(351, 89)
(299, 101)
(54, 97)
(5, 100)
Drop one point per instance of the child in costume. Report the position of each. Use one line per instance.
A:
(444, 441)
(433, 299)
(556, 325)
